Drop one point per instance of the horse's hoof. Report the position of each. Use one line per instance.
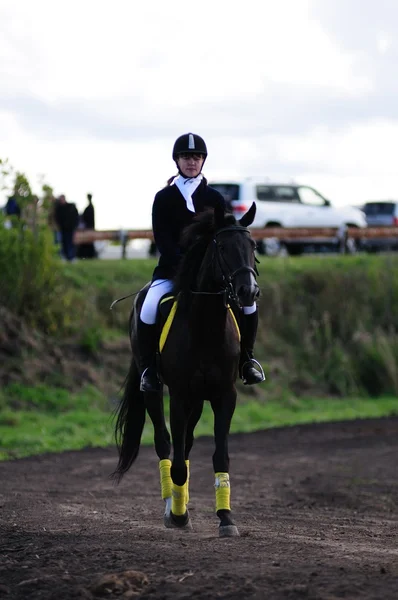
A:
(183, 522)
(228, 531)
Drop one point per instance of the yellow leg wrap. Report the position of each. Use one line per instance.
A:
(186, 484)
(223, 491)
(165, 478)
(178, 505)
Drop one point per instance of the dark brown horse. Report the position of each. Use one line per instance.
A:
(199, 361)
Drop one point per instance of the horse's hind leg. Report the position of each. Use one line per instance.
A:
(155, 408)
(223, 408)
(166, 486)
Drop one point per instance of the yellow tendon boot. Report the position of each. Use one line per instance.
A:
(223, 491)
(165, 478)
(186, 484)
(178, 505)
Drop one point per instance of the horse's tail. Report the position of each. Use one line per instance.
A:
(130, 422)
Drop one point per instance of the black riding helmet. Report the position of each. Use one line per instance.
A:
(189, 143)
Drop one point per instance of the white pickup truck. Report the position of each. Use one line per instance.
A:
(286, 205)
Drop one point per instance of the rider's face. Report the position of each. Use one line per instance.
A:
(190, 165)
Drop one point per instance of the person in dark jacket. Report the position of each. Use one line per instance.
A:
(67, 219)
(12, 207)
(174, 208)
(87, 222)
(88, 216)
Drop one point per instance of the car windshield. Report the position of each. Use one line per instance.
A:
(230, 191)
(277, 193)
(379, 208)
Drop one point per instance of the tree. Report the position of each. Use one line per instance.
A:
(34, 210)
(29, 277)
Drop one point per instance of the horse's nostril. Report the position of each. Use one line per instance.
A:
(248, 293)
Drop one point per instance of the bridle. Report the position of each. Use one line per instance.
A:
(227, 274)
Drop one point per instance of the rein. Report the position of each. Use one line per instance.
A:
(128, 296)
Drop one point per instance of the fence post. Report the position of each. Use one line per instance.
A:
(342, 236)
(123, 240)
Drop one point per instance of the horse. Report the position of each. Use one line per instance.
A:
(199, 361)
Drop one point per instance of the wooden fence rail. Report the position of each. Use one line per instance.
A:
(298, 234)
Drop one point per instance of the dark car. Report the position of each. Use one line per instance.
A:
(381, 213)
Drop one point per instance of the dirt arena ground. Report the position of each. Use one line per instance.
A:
(316, 506)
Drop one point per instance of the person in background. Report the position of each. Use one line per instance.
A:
(175, 207)
(88, 216)
(67, 219)
(87, 222)
(12, 207)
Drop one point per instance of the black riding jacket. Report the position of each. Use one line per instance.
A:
(169, 217)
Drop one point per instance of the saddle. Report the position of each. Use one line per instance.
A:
(166, 312)
(165, 315)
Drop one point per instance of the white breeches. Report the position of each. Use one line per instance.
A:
(156, 291)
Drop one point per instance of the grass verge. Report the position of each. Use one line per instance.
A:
(42, 419)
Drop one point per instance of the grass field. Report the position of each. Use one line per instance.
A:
(42, 419)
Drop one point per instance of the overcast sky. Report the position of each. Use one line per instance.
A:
(93, 94)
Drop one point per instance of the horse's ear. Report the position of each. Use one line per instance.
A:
(248, 217)
(219, 216)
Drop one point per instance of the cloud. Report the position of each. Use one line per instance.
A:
(280, 108)
(94, 94)
(116, 74)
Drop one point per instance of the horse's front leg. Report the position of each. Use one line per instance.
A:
(194, 416)
(179, 516)
(223, 408)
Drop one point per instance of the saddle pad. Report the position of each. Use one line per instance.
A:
(167, 325)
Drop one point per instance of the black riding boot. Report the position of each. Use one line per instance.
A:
(147, 336)
(250, 369)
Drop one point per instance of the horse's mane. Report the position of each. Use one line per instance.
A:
(194, 241)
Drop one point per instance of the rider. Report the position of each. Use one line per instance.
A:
(173, 209)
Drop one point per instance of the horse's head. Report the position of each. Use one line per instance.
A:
(234, 258)
(220, 258)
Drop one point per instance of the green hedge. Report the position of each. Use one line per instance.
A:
(328, 325)
(333, 322)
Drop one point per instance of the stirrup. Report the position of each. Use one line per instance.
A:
(258, 374)
(150, 381)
